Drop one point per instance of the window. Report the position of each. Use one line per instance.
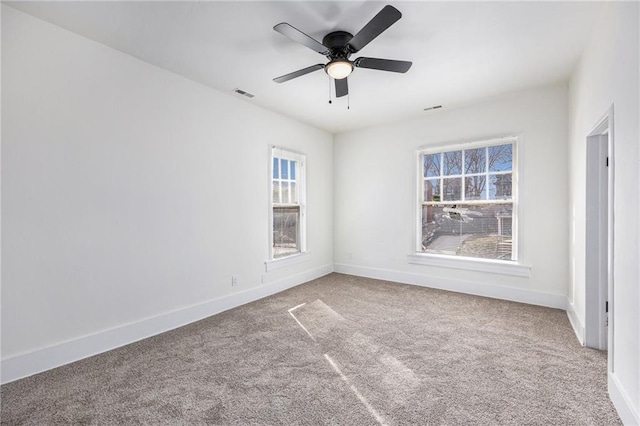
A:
(466, 200)
(287, 203)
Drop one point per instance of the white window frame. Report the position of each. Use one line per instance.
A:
(508, 267)
(300, 159)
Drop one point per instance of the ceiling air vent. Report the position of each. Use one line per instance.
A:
(243, 93)
(433, 107)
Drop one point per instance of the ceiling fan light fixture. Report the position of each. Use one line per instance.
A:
(339, 69)
(338, 46)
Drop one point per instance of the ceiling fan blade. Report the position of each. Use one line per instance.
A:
(300, 37)
(298, 73)
(383, 20)
(342, 88)
(383, 64)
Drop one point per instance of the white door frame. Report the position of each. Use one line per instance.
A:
(599, 237)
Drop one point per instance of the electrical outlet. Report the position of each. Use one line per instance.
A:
(264, 278)
(234, 281)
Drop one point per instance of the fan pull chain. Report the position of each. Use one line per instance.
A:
(329, 90)
(348, 101)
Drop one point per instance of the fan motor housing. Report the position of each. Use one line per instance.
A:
(337, 42)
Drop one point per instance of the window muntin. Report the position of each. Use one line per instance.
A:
(467, 201)
(287, 203)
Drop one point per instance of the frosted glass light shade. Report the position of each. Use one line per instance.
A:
(339, 69)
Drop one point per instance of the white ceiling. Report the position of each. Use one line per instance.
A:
(462, 52)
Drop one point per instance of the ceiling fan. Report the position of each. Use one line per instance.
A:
(338, 46)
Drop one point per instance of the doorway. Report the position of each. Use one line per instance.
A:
(599, 236)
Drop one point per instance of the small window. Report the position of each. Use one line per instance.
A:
(287, 203)
(466, 200)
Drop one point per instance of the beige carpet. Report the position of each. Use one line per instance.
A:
(339, 350)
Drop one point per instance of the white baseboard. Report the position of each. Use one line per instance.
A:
(577, 325)
(628, 414)
(513, 294)
(40, 360)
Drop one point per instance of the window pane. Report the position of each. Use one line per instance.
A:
(285, 192)
(286, 231)
(500, 186)
(432, 190)
(276, 192)
(483, 231)
(475, 160)
(475, 188)
(294, 193)
(284, 169)
(293, 170)
(500, 158)
(453, 163)
(452, 189)
(431, 165)
(276, 169)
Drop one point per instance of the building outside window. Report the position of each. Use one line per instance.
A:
(466, 199)
(287, 203)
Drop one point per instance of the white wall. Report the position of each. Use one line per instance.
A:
(608, 75)
(129, 192)
(375, 176)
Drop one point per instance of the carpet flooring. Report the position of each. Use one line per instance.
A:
(339, 350)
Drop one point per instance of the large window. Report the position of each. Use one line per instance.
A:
(287, 203)
(466, 200)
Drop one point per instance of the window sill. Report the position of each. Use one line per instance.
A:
(271, 265)
(482, 265)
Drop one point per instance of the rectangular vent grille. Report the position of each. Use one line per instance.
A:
(433, 107)
(243, 93)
